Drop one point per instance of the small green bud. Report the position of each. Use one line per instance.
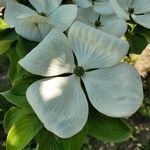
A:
(131, 10)
(97, 23)
(42, 14)
(79, 71)
(93, 1)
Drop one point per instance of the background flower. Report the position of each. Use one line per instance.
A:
(114, 88)
(100, 6)
(111, 24)
(35, 25)
(137, 10)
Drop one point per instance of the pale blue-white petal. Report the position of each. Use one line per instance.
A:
(125, 4)
(113, 25)
(83, 3)
(143, 20)
(3, 3)
(87, 16)
(14, 10)
(63, 17)
(28, 30)
(44, 29)
(60, 104)
(53, 56)
(141, 6)
(36, 18)
(45, 6)
(121, 8)
(104, 8)
(115, 91)
(94, 48)
(109, 23)
(32, 29)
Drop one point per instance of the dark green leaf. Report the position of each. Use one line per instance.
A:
(108, 129)
(143, 31)
(75, 142)
(20, 79)
(22, 132)
(48, 141)
(13, 58)
(4, 106)
(19, 100)
(17, 94)
(24, 46)
(137, 42)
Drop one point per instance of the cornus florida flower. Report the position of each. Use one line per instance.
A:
(114, 89)
(138, 10)
(34, 25)
(100, 6)
(107, 23)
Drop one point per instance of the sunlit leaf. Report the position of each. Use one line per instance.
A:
(22, 132)
(12, 116)
(3, 24)
(7, 37)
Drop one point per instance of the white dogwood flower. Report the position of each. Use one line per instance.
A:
(101, 6)
(138, 10)
(111, 24)
(34, 25)
(114, 88)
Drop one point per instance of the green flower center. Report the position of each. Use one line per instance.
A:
(79, 71)
(131, 10)
(42, 14)
(97, 23)
(93, 1)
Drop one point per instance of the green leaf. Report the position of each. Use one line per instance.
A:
(15, 53)
(75, 142)
(22, 132)
(137, 42)
(3, 24)
(7, 37)
(19, 100)
(20, 48)
(12, 116)
(13, 58)
(20, 78)
(17, 94)
(48, 141)
(108, 129)
(143, 31)
(4, 106)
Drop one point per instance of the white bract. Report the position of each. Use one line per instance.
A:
(111, 24)
(3, 2)
(114, 88)
(101, 6)
(34, 25)
(138, 10)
